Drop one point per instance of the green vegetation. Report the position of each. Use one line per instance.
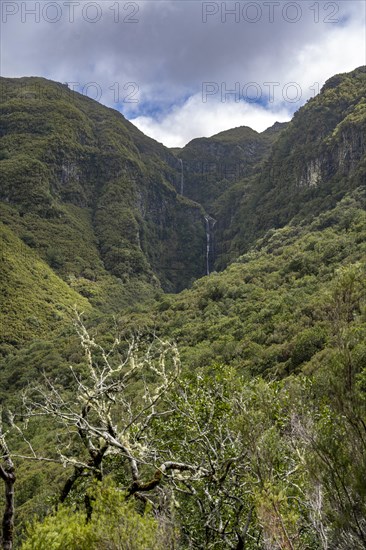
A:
(114, 524)
(230, 415)
(314, 162)
(34, 301)
(80, 178)
(265, 308)
(212, 166)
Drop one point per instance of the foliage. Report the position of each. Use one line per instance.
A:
(34, 301)
(268, 312)
(316, 160)
(114, 524)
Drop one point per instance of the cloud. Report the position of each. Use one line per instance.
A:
(169, 51)
(198, 119)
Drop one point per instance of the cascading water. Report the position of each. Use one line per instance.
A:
(207, 245)
(210, 222)
(181, 177)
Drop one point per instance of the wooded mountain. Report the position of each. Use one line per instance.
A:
(101, 191)
(295, 169)
(97, 217)
(100, 203)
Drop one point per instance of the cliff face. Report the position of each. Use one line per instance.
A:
(316, 160)
(65, 157)
(324, 141)
(214, 172)
(340, 156)
(212, 165)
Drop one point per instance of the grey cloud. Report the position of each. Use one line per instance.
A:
(170, 51)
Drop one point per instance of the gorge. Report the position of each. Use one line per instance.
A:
(182, 344)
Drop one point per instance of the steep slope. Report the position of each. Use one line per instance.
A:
(212, 165)
(93, 195)
(250, 182)
(34, 302)
(316, 160)
(211, 173)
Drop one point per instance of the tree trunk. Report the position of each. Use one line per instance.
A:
(8, 476)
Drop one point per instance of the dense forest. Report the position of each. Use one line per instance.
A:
(183, 331)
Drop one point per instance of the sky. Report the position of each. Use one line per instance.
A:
(181, 69)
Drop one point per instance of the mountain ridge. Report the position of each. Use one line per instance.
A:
(101, 203)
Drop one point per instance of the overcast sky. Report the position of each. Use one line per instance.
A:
(180, 69)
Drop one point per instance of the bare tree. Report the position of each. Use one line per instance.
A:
(110, 410)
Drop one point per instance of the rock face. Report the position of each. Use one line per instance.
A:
(63, 151)
(324, 141)
(317, 158)
(341, 155)
(313, 174)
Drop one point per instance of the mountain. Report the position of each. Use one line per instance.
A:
(94, 193)
(212, 165)
(250, 182)
(92, 199)
(315, 161)
(119, 218)
(212, 172)
(264, 428)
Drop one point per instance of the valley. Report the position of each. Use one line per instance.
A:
(222, 287)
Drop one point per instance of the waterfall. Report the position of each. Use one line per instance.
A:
(181, 177)
(210, 222)
(207, 245)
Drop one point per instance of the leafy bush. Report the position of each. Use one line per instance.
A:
(114, 525)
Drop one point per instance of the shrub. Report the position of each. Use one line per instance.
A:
(114, 525)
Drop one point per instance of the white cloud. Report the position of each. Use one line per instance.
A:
(198, 119)
(341, 50)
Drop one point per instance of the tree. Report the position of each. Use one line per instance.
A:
(345, 301)
(109, 412)
(214, 511)
(7, 474)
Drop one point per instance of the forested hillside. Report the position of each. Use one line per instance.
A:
(250, 182)
(70, 165)
(144, 404)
